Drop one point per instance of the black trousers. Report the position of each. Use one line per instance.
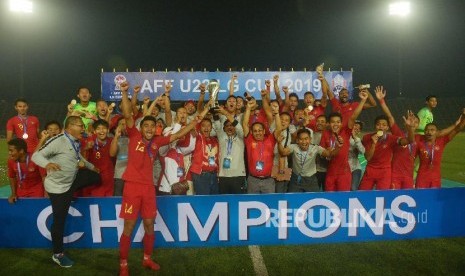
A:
(61, 202)
(231, 185)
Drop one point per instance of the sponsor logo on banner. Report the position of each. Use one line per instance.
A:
(119, 79)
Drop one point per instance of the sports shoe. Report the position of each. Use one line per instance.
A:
(62, 260)
(123, 270)
(150, 264)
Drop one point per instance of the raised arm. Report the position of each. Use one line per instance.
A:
(325, 89)
(168, 114)
(277, 120)
(126, 105)
(459, 127)
(363, 98)
(145, 106)
(266, 105)
(410, 124)
(192, 124)
(381, 95)
(231, 84)
(114, 143)
(245, 120)
(228, 115)
(202, 88)
(283, 151)
(134, 100)
(286, 99)
(277, 93)
(370, 102)
(152, 106)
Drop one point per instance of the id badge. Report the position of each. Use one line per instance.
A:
(211, 160)
(227, 163)
(259, 166)
(299, 179)
(180, 172)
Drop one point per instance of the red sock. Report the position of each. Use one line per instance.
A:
(124, 245)
(148, 244)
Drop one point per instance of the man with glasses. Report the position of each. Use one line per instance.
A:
(65, 174)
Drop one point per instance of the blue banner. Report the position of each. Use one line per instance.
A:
(236, 220)
(186, 84)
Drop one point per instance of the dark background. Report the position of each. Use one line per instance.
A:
(66, 43)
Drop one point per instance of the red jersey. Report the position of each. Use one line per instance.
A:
(205, 155)
(260, 155)
(346, 110)
(339, 164)
(382, 156)
(28, 126)
(403, 158)
(141, 155)
(315, 113)
(259, 116)
(114, 121)
(99, 155)
(28, 176)
(430, 156)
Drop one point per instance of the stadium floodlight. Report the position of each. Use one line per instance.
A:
(22, 6)
(399, 9)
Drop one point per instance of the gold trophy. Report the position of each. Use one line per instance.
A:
(319, 69)
(214, 87)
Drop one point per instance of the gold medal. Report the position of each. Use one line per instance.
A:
(81, 164)
(97, 155)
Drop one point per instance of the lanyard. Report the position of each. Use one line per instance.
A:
(76, 146)
(24, 123)
(22, 176)
(210, 146)
(96, 147)
(302, 159)
(230, 144)
(261, 150)
(430, 152)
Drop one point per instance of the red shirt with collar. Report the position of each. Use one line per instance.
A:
(16, 124)
(141, 155)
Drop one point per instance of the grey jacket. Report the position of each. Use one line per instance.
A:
(59, 150)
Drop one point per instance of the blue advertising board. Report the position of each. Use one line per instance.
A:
(186, 84)
(236, 220)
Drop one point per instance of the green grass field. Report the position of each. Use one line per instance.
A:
(443, 256)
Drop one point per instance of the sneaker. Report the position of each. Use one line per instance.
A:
(62, 260)
(123, 270)
(150, 264)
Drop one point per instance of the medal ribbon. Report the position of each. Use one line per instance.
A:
(22, 176)
(96, 147)
(430, 152)
(24, 123)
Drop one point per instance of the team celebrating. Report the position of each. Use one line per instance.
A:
(148, 149)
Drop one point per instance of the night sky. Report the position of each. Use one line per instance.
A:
(66, 43)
